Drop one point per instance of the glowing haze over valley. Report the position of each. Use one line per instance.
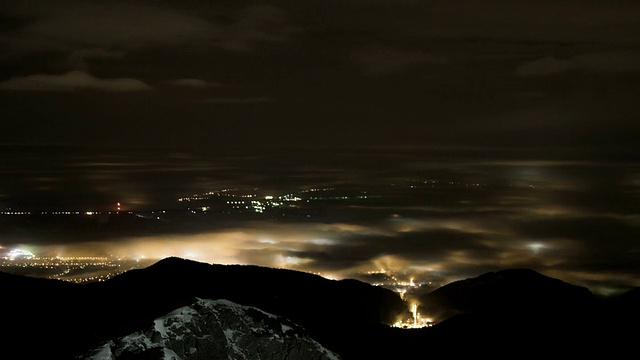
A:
(409, 217)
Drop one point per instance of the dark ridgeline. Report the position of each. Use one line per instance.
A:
(512, 291)
(318, 304)
(65, 319)
(519, 312)
(507, 314)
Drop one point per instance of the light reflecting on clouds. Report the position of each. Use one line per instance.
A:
(442, 222)
(434, 251)
(536, 247)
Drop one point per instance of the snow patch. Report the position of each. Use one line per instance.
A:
(184, 314)
(326, 352)
(186, 322)
(158, 325)
(237, 308)
(228, 333)
(102, 353)
(137, 340)
(170, 355)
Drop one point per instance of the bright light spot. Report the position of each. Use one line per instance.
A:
(323, 242)
(536, 247)
(414, 311)
(20, 254)
(416, 321)
(267, 241)
(285, 261)
(191, 255)
(401, 292)
(331, 276)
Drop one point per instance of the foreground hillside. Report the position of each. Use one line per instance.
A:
(214, 329)
(494, 314)
(65, 319)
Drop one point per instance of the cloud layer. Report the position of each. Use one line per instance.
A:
(73, 80)
(601, 62)
(442, 73)
(434, 221)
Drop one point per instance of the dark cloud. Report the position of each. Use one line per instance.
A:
(593, 232)
(603, 62)
(533, 21)
(194, 83)
(77, 25)
(443, 73)
(73, 80)
(230, 100)
(81, 59)
(380, 61)
(256, 24)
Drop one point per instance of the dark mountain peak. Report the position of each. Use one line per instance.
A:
(179, 266)
(518, 282)
(174, 262)
(625, 306)
(631, 296)
(524, 278)
(507, 274)
(506, 291)
(518, 273)
(314, 302)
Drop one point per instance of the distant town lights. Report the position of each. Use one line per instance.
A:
(416, 321)
(20, 254)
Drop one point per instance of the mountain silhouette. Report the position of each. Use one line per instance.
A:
(504, 314)
(69, 317)
(507, 291)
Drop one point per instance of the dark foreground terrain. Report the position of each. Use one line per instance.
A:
(515, 313)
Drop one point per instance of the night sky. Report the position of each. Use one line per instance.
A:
(145, 101)
(318, 73)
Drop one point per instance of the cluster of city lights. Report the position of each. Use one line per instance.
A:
(415, 322)
(402, 287)
(244, 201)
(210, 194)
(68, 268)
(18, 254)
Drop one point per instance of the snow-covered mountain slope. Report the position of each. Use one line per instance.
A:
(215, 329)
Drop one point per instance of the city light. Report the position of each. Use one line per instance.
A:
(19, 254)
(415, 322)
